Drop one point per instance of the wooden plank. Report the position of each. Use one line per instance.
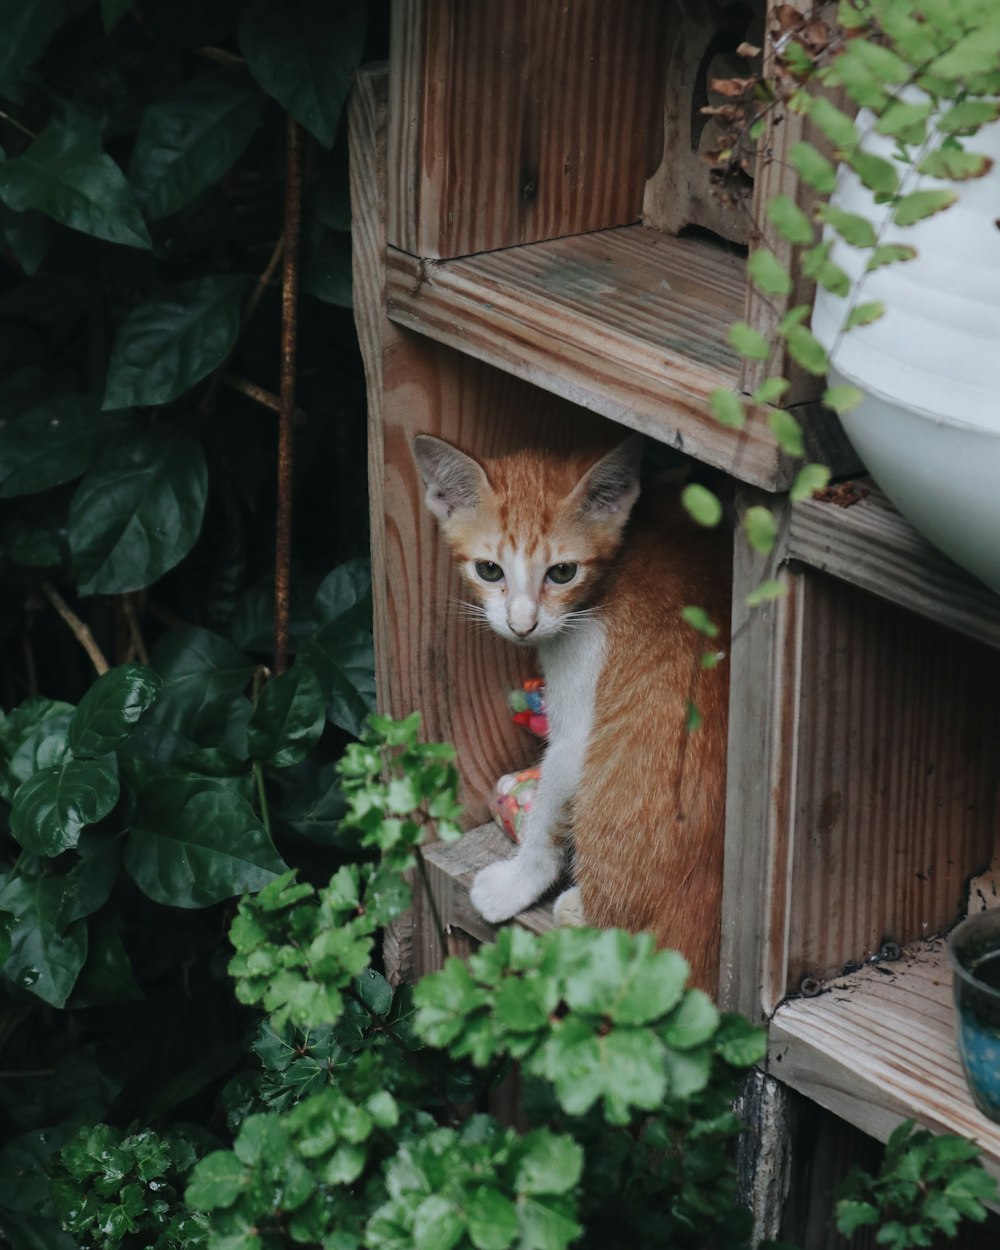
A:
(879, 1047)
(894, 778)
(629, 323)
(518, 120)
(871, 546)
(765, 661)
(448, 914)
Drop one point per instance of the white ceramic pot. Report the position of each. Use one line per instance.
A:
(928, 429)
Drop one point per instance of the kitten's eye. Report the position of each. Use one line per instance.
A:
(561, 574)
(489, 571)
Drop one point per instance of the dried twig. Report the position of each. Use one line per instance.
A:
(267, 398)
(220, 55)
(138, 643)
(81, 632)
(286, 428)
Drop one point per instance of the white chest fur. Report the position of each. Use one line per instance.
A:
(572, 663)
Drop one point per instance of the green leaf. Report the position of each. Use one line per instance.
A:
(727, 408)
(967, 116)
(858, 231)
(327, 269)
(766, 591)
(72, 429)
(954, 164)
(748, 341)
(52, 808)
(27, 235)
(693, 1023)
(546, 1224)
(108, 712)
(885, 64)
(492, 1219)
(187, 141)
(216, 1181)
(877, 174)
(905, 120)
(890, 254)
(139, 512)
(69, 178)
(551, 1164)
(812, 167)
(786, 431)
(789, 219)
(842, 398)
(303, 55)
(341, 652)
(288, 719)
(834, 123)
(693, 718)
(702, 504)
(920, 204)
(27, 29)
(44, 959)
(767, 273)
(437, 1224)
(112, 12)
(193, 844)
(761, 528)
(807, 350)
(853, 1215)
(699, 619)
(770, 390)
(167, 344)
(864, 314)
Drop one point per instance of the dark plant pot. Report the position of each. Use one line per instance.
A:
(974, 951)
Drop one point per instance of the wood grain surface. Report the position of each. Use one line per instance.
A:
(518, 120)
(879, 1046)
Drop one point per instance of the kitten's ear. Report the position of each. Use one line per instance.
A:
(612, 485)
(453, 479)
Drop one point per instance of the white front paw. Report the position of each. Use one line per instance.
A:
(504, 889)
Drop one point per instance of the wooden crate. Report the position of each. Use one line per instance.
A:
(864, 711)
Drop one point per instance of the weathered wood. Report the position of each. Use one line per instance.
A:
(763, 1158)
(702, 42)
(879, 1047)
(518, 120)
(629, 323)
(894, 780)
(765, 662)
(450, 868)
(871, 546)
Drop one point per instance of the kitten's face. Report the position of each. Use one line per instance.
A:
(531, 537)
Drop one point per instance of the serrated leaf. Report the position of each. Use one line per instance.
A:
(877, 174)
(693, 1023)
(68, 177)
(72, 429)
(699, 619)
(727, 408)
(890, 254)
(27, 29)
(701, 504)
(812, 167)
(852, 1215)
(187, 141)
(193, 844)
(864, 314)
(546, 1224)
(786, 431)
(550, 1164)
(303, 55)
(437, 1224)
(789, 219)
(761, 528)
(52, 808)
(842, 398)
(807, 350)
(858, 231)
(139, 512)
(920, 204)
(954, 164)
(833, 122)
(765, 592)
(288, 719)
(108, 712)
(767, 273)
(492, 1219)
(748, 342)
(167, 344)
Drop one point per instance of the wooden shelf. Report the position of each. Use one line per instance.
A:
(879, 1047)
(874, 548)
(628, 322)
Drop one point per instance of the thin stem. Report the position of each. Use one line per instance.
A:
(81, 632)
(264, 397)
(135, 633)
(12, 121)
(286, 428)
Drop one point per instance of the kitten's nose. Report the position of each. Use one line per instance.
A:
(522, 615)
(523, 633)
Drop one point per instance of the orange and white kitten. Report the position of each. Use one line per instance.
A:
(559, 559)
